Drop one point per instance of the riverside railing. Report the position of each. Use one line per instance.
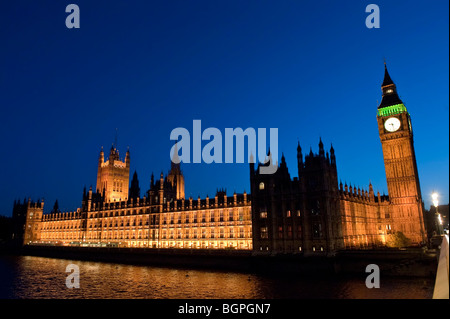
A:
(442, 282)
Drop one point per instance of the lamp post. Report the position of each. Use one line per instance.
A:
(434, 197)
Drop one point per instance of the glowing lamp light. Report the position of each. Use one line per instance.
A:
(434, 197)
(440, 219)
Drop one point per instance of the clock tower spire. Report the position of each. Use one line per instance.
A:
(396, 135)
(389, 91)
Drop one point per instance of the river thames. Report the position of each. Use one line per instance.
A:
(26, 277)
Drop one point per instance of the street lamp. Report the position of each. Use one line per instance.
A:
(434, 197)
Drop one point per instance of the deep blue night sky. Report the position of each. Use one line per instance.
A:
(309, 68)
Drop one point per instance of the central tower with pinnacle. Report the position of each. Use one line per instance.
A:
(175, 176)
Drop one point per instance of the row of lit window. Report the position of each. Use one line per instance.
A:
(263, 214)
(59, 226)
(134, 212)
(316, 232)
(188, 217)
(120, 224)
(146, 236)
(264, 232)
(185, 233)
(203, 219)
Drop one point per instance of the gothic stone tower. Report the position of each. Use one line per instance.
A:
(34, 212)
(113, 176)
(318, 185)
(394, 126)
(300, 215)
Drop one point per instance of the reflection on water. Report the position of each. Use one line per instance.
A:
(38, 277)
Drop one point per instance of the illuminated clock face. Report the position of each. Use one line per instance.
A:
(392, 124)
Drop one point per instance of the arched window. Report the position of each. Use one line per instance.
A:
(261, 186)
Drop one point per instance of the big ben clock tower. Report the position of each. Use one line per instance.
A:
(394, 126)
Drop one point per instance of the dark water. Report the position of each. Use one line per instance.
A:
(38, 277)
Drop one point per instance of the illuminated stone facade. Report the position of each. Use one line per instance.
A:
(222, 222)
(314, 213)
(309, 214)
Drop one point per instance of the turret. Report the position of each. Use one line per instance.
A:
(161, 192)
(127, 158)
(112, 153)
(225, 202)
(55, 207)
(89, 198)
(371, 193)
(321, 150)
(101, 158)
(299, 156)
(135, 191)
(283, 161)
(332, 156)
(175, 176)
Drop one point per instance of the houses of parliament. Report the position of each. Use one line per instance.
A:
(311, 213)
